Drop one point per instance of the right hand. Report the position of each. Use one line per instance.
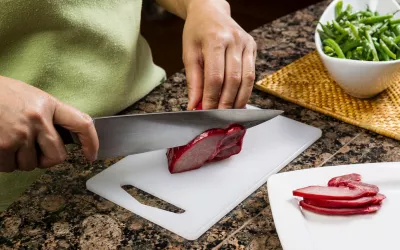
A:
(27, 118)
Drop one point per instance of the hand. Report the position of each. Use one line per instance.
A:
(27, 118)
(219, 57)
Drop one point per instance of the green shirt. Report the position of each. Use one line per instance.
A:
(87, 53)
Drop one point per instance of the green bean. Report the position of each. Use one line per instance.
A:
(375, 28)
(338, 28)
(327, 31)
(387, 50)
(382, 29)
(362, 35)
(349, 8)
(388, 41)
(349, 45)
(322, 35)
(396, 40)
(342, 15)
(349, 55)
(354, 15)
(396, 21)
(353, 29)
(336, 47)
(328, 49)
(396, 30)
(382, 53)
(338, 8)
(372, 47)
(340, 38)
(376, 19)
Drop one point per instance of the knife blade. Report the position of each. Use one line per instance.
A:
(139, 133)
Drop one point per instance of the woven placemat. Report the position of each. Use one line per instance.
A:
(307, 83)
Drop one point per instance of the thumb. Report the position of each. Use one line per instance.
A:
(194, 76)
(81, 124)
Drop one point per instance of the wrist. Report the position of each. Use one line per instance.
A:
(193, 6)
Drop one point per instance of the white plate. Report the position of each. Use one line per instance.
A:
(303, 230)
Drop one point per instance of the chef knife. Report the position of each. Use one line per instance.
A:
(138, 133)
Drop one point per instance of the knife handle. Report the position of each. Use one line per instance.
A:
(67, 136)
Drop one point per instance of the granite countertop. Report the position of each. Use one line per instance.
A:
(58, 212)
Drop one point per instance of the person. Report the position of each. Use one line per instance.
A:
(64, 62)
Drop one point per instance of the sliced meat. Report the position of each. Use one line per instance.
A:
(353, 181)
(339, 180)
(379, 198)
(194, 154)
(360, 202)
(331, 193)
(370, 189)
(234, 136)
(231, 144)
(340, 211)
(224, 154)
(212, 145)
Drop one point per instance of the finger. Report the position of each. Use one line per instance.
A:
(233, 77)
(81, 124)
(27, 157)
(52, 148)
(214, 67)
(7, 161)
(194, 76)
(248, 77)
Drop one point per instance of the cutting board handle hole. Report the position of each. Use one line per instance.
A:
(150, 200)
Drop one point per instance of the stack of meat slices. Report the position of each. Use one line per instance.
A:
(344, 195)
(210, 146)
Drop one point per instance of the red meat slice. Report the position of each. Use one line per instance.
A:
(224, 154)
(379, 198)
(339, 180)
(340, 211)
(231, 144)
(212, 145)
(360, 202)
(353, 181)
(234, 135)
(370, 189)
(331, 193)
(194, 154)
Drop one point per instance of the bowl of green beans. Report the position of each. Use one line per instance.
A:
(358, 42)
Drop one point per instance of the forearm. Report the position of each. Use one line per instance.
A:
(176, 7)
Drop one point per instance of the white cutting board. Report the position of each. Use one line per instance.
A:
(209, 193)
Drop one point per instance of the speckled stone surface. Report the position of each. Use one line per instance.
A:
(58, 212)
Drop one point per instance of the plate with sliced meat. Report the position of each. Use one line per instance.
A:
(338, 207)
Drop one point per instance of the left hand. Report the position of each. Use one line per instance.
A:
(219, 57)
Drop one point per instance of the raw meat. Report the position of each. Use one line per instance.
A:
(344, 195)
(340, 211)
(332, 193)
(231, 144)
(339, 180)
(197, 152)
(379, 198)
(370, 189)
(211, 146)
(360, 202)
(353, 181)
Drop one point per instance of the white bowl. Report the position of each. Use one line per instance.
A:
(361, 79)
